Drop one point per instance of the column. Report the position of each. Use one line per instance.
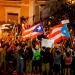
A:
(31, 11)
(40, 12)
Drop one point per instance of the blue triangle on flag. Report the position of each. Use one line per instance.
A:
(39, 28)
(64, 31)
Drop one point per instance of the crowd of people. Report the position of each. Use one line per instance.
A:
(29, 57)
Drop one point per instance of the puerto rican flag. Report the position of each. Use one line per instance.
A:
(59, 32)
(33, 32)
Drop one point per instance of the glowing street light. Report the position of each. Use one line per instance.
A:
(72, 1)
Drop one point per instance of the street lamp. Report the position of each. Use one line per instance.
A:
(72, 1)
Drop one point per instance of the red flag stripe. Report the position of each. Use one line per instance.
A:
(56, 34)
(25, 33)
(31, 36)
(50, 36)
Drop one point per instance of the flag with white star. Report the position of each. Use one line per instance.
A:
(64, 31)
(39, 28)
(58, 33)
(33, 32)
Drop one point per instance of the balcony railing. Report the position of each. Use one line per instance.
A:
(42, 1)
(10, 2)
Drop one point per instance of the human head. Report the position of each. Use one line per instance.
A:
(37, 47)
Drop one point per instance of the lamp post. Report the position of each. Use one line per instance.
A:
(72, 1)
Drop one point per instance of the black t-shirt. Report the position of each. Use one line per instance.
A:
(21, 53)
(46, 57)
(9, 55)
(29, 54)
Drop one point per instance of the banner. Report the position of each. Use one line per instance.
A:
(47, 43)
(65, 21)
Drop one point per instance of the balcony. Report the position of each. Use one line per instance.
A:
(42, 1)
(45, 1)
(10, 2)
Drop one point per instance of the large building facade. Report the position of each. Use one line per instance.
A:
(12, 10)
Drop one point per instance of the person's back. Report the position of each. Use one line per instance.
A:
(9, 55)
(57, 62)
(57, 58)
(67, 61)
(29, 55)
(45, 58)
